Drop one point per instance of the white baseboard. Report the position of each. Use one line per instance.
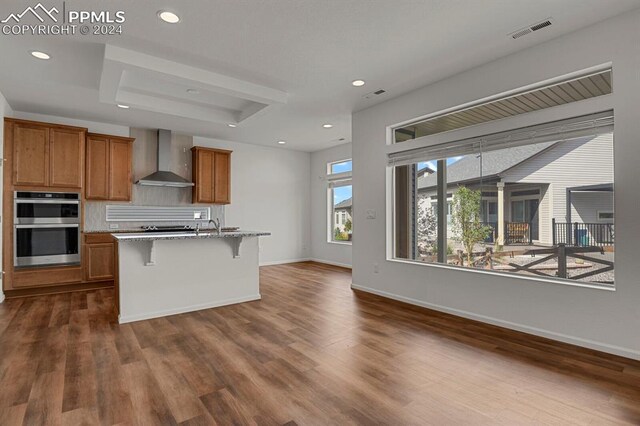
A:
(282, 262)
(578, 341)
(156, 314)
(329, 262)
(308, 259)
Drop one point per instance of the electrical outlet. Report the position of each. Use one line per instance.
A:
(114, 226)
(376, 268)
(371, 214)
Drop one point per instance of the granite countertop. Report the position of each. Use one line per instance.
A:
(154, 236)
(137, 230)
(110, 231)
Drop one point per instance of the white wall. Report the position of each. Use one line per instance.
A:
(269, 192)
(5, 111)
(93, 126)
(596, 318)
(321, 249)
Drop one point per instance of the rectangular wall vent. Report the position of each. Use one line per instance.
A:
(541, 25)
(130, 213)
(374, 93)
(528, 30)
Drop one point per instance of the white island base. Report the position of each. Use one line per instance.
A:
(160, 275)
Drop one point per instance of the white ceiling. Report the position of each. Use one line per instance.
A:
(309, 49)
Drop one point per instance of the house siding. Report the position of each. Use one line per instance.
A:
(568, 164)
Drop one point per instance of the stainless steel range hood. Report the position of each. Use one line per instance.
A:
(164, 177)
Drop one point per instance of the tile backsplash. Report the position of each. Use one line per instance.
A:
(144, 163)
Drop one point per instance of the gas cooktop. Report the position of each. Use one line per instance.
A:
(174, 228)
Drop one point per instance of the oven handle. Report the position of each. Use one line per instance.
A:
(37, 201)
(48, 225)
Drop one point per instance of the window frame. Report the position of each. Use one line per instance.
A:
(541, 117)
(610, 220)
(337, 180)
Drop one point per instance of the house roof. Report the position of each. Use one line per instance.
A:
(494, 163)
(425, 169)
(345, 204)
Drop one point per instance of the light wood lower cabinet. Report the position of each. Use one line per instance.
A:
(99, 257)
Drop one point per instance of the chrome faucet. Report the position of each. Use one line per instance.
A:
(197, 228)
(216, 225)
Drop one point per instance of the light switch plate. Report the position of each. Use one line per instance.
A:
(371, 214)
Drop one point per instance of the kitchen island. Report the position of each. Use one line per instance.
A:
(160, 274)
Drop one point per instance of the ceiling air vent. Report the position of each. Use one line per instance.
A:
(374, 94)
(528, 30)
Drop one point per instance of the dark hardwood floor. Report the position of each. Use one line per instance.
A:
(311, 352)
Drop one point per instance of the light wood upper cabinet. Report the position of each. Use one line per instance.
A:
(47, 155)
(108, 168)
(66, 158)
(211, 175)
(30, 154)
(222, 178)
(120, 170)
(97, 181)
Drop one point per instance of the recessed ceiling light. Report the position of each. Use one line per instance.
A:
(168, 17)
(327, 126)
(232, 125)
(357, 83)
(123, 106)
(193, 91)
(281, 142)
(40, 55)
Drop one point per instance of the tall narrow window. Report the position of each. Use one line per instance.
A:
(536, 201)
(340, 202)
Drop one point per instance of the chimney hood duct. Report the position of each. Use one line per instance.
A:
(163, 177)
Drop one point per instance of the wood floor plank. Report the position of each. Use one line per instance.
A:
(310, 352)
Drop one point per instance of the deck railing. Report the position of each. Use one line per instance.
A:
(517, 233)
(583, 234)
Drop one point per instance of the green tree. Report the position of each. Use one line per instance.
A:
(467, 227)
(347, 226)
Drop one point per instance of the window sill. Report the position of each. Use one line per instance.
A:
(559, 281)
(340, 243)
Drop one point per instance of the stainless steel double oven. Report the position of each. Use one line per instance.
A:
(46, 228)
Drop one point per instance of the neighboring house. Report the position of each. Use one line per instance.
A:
(537, 184)
(342, 213)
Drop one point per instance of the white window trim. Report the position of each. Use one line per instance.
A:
(561, 281)
(336, 180)
(567, 111)
(331, 163)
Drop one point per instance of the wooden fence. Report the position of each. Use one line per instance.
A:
(490, 259)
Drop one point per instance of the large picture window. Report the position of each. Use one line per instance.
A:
(536, 202)
(340, 201)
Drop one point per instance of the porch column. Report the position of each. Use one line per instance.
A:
(442, 211)
(500, 238)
